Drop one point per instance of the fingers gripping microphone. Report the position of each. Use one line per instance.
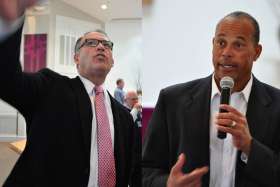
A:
(226, 85)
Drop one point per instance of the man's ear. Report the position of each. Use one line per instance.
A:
(258, 51)
(76, 57)
(213, 40)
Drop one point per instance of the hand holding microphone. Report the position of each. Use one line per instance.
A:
(240, 130)
(226, 85)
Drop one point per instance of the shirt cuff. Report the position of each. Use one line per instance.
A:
(134, 112)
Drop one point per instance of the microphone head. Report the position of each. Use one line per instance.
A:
(227, 82)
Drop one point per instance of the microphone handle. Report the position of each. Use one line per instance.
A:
(225, 99)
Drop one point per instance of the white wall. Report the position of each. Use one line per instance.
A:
(127, 37)
(73, 18)
(177, 41)
(12, 124)
(67, 27)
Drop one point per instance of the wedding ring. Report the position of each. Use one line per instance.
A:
(233, 124)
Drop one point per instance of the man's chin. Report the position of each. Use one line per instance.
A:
(220, 75)
(100, 71)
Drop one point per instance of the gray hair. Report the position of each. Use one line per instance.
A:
(78, 45)
(80, 39)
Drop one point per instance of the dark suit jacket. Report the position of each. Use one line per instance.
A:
(59, 117)
(180, 124)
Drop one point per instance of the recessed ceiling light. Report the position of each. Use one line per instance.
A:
(103, 6)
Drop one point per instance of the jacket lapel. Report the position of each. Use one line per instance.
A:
(197, 115)
(116, 118)
(84, 110)
(257, 111)
(118, 142)
(258, 120)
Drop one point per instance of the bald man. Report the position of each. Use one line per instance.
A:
(131, 101)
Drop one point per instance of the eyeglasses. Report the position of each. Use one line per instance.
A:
(95, 42)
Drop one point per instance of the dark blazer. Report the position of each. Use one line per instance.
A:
(180, 124)
(58, 114)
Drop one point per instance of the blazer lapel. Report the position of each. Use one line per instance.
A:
(197, 115)
(118, 142)
(258, 120)
(117, 126)
(84, 110)
(257, 111)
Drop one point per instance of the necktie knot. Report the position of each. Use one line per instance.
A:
(98, 90)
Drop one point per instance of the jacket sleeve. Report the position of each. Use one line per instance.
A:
(19, 89)
(135, 180)
(263, 165)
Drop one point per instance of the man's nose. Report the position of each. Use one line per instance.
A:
(227, 52)
(100, 46)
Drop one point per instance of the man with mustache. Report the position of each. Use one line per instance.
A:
(77, 134)
(181, 147)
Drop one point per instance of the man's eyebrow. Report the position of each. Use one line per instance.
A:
(238, 37)
(221, 35)
(241, 38)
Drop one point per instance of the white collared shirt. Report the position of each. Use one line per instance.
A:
(133, 111)
(93, 177)
(222, 151)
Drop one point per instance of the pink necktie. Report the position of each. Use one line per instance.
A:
(106, 161)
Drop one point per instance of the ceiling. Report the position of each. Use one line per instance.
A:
(117, 9)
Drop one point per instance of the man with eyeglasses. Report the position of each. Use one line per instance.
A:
(77, 134)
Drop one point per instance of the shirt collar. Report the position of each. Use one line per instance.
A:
(245, 92)
(126, 105)
(88, 85)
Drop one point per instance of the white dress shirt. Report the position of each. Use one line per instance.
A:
(93, 177)
(222, 151)
(133, 111)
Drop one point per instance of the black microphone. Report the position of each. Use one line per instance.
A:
(226, 85)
